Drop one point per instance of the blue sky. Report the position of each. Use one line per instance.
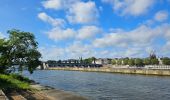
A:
(100, 28)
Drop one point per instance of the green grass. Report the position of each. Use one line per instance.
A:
(14, 81)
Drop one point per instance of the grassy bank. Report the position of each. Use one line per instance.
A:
(14, 82)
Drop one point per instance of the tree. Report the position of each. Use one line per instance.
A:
(93, 59)
(113, 62)
(119, 62)
(51, 62)
(166, 61)
(4, 55)
(154, 61)
(125, 61)
(21, 50)
(88, 60)
(147, 61)
(131, 62)
(139, 62)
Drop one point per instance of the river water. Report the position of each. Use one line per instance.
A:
(106, 86)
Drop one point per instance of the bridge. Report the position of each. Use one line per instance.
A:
(69, 63)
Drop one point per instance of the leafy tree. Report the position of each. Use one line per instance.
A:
(125, 61)
(4, 55)
(59, 61)
(21, 50)
(131, 62)
(147, 61)
(154, 61)
(139, 62)
(166, 61)
(51, 62)
(93, 59)
(119, 62)
(88, 60)
(113, 62)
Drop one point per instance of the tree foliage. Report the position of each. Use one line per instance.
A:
(119, 62)
(131, 62)
(21, 50)
(113, 62)
(166, 61)
(147, 61)
(125, 61)
(139, 62)
(154, 61)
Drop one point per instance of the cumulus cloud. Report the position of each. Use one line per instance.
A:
(2, 35)
(61, 34)
(51, 53)
(53, 21)
(165, 49)
(72, 51)
(140, 36)
(87, 32)
(77, 11)
(52, 4)
(161, 16)
(130, 7)
(111, 39)
(58, 4)
(83, 12)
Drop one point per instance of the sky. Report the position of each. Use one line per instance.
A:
(69, 29)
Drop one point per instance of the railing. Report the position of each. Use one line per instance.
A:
(144, 67)
(157, 66)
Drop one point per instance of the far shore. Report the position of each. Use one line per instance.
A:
(158, 72)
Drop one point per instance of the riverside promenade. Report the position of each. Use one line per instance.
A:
(159, 72)
(42, 93)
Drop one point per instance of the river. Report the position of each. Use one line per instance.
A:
(106, 86)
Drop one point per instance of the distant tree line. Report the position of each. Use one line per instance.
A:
(141, 61)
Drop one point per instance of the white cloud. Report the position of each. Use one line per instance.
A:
(78, 49)
(161, 16)
(72, 51)
(83, 13)
(77, 12)
(55, 22)
(111, 39)
(51, 53)
(165, 49)
(58, 4)
(52, 4)
(87, 32)
(130, 7)
(61, 34)
(142, 36)
(2, 35)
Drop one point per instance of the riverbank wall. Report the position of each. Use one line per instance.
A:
(117, 70)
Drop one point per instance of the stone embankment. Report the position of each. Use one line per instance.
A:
(160, 72)
(3, 96)
(41, 93)
(54, 94)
